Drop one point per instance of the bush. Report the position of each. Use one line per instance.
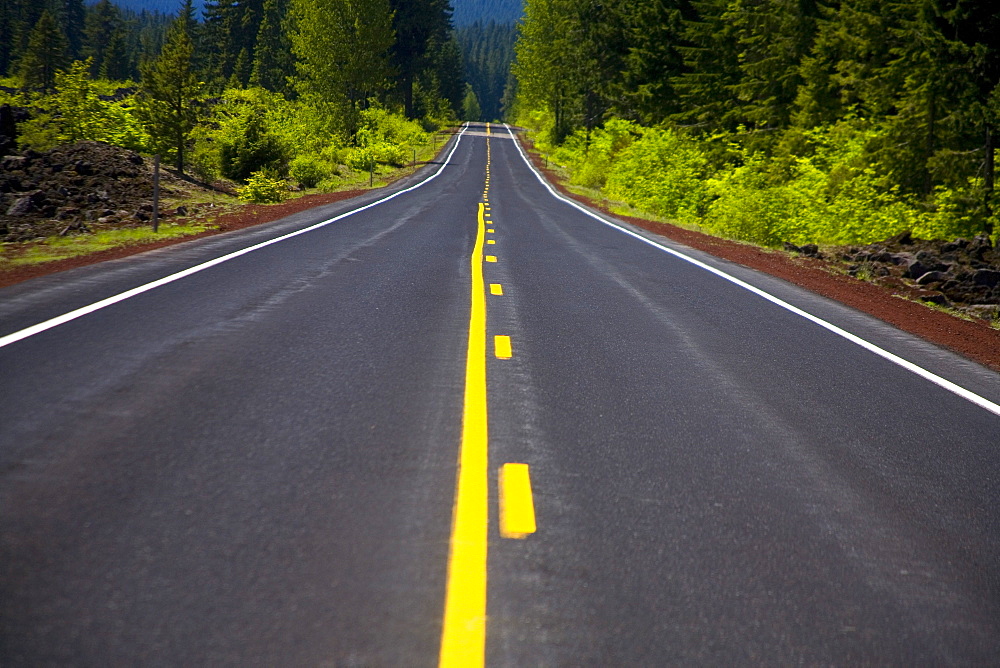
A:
(262, 188)
(360, 159)
(663, 172)
(309, 170)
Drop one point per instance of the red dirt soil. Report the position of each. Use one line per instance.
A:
(976, 340)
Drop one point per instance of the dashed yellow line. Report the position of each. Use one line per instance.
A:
(501, 347)
(517, 507)
(496, 289)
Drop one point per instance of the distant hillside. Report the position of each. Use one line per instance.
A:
(468, 12)
(163, 6)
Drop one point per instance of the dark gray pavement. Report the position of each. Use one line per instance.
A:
(255, 464)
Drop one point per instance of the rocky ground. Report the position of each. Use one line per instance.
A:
(963, 274)
(78, 188)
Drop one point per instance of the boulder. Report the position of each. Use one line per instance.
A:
(934, 277)
(987, 277)
(23, 206)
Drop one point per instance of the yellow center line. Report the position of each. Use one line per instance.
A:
(491, 258)
(491, 242)
(463, 636)
(501, 346)
(496, 289)
(517, 509)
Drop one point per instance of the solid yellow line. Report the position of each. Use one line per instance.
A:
(517, 509)
(463, 636)
(495, 288)
(501, 345)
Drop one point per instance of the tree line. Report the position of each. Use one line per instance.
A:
(913, 83)
(249, 85)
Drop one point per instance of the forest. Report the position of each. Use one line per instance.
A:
(254, 91)
(803, 121)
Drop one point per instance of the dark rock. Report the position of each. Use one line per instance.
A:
(141, 215)
(22, 207)
(810, 250)
(987, 277)
(934, 277)
(901, 239)
(181, 211)
(984, 311)
(12, 162)
(933, 297)
(957, 244)
(916, 269)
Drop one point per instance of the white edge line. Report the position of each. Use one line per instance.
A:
(968, 395)
(128, 294)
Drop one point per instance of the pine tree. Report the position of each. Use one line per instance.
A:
(419, 25)
(45, 54)
(711, 69)
(773, 37)
(644, 91)
(169, 103)
(342, 50)
(470, 105)
(273, 63)
(545, 66)
(103, 22)
(117, 65)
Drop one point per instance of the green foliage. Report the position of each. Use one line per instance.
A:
(309, 170)
(74, 112)
(662, 172)
(248, 136)
(169, 102)
(262, 188)
(471, 111)
(46, 54)
(813, 120)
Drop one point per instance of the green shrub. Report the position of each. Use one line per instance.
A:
(361, 158)
(662, 172)
(262, 188)
(309, 170)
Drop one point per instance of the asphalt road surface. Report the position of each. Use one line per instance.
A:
(252, 458)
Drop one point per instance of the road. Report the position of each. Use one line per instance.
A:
(290, 455)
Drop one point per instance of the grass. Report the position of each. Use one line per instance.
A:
(60, 248)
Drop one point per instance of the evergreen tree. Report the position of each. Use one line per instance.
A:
(117, 64)
(72, 17)
(103, 23)
(545, 65)
(773, 37)
(169, 102)
(273, 63)
(342, 50)
(711, 69)
(644, 91)
(45, 54)
(470, 105)
(418, 25)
